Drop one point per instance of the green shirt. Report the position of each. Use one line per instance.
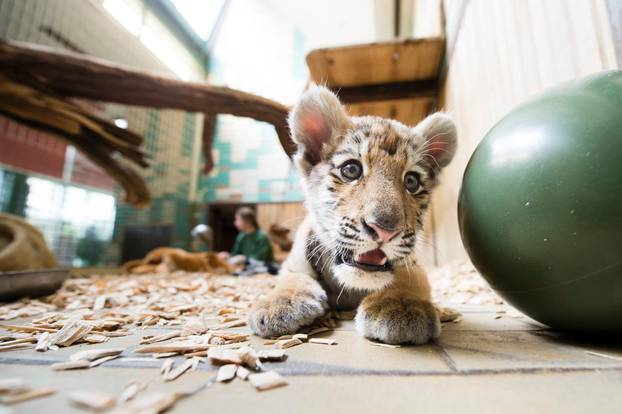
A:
(255, 245)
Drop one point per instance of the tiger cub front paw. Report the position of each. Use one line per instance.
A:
(284, 314)
(397, 320)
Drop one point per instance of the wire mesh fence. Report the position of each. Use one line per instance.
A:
(59, 189)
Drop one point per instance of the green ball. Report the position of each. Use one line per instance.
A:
(540, 209)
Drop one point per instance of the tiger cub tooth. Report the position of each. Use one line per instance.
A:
(383, 261)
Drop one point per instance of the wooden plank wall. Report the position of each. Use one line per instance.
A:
(502, 53)
(288, 215)
(395, 62)
(408, 111)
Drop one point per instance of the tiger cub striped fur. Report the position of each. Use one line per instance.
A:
(367, 184)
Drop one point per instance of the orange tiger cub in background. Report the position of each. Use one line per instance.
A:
(170, 259)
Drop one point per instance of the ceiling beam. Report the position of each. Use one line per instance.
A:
(213, 36)
(420, 89)
(167, 13)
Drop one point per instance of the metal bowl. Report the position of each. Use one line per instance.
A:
(30, 283)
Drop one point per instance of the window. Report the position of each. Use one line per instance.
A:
(66, 214)
(133, 17)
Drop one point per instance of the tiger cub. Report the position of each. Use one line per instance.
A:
(367, 183)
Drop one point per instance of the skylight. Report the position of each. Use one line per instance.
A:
(200, 15)
(150, 34)
(129, 18)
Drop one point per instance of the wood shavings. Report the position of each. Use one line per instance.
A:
(113, 304)
(13, 347)
(229, 319)
(24, 308)
(132, 389)
(151, 403)
(232, 338)
(448, 314)
(70, 333)
(226, 373)
(27, 395)
(232, 324)
(195, 363)
(5, 338)
(323, 341)
(138, 359)
(459, 283)
(100, 302)
(272, 355)
(165, 354)
(29, 329)
(12, 386)
(225, 311)
(267, 380)
(301, 337)
(318, 330)
(63, 366)
(383, 345)
(94, 400)
(160, 338)
(178, 371)
(19, 341)
(220, 356)
(166, 366)
(287, 343)
(116, 334)
(179, 347)
(93, 354)
(598, 354)
(95, 338)
(242, 373)
(195, 326)
(249, 357)
(205, 310)
(100, 361)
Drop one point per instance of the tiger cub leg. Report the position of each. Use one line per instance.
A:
(297, 300)
(400, 313)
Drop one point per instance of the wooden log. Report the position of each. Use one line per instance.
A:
(62, 119)
(75, 75)
(209, 127)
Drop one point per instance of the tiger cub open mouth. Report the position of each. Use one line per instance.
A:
(372, 261)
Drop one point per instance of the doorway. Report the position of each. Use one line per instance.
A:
(220, 219)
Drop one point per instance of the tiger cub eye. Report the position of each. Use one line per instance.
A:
(411, 182)
(351, 170)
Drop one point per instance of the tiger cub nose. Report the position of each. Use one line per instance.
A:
(378, 232)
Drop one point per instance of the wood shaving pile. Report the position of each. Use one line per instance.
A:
(202, 309)
(459, 283)
(201, 312)
(93, 309)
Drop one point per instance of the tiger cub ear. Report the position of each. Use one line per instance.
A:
(436, 137)
(315, 120)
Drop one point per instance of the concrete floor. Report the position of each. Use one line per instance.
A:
(482, 364)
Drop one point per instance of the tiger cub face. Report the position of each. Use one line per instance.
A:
(367, 182)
